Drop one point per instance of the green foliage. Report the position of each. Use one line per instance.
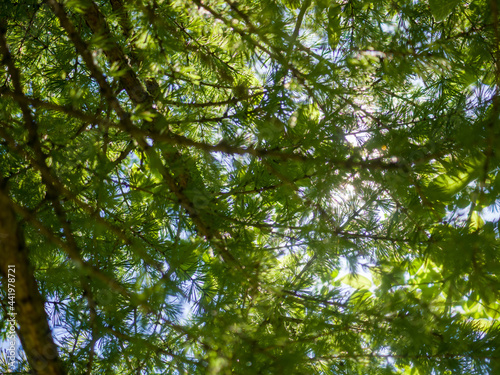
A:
(257, 187)
(441, 9)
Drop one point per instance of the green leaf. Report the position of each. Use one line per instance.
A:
(476, 221)
(334, 26)
(445, 186)
(357, 281)
(441, 9)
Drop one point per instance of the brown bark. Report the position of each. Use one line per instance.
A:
(34, 330)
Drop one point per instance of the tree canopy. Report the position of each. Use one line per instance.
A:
(250, 187)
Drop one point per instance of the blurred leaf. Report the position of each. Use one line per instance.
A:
(441, 9)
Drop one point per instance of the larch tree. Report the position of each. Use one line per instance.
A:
(250, 187)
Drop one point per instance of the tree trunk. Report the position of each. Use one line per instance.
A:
(35, 334)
